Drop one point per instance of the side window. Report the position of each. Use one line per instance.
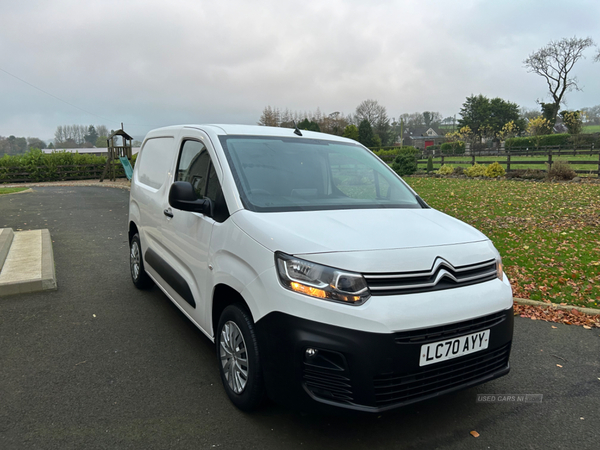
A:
(193, 166)
(215, 193)
(154, 161)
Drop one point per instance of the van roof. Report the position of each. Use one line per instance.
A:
(251, 130)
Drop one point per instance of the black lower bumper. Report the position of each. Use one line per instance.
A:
(372, 372)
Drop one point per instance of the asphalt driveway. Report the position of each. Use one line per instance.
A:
(98, 364)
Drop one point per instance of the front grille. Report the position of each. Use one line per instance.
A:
(446, 375)
(326, 385)
(444, 332)
(442, 275)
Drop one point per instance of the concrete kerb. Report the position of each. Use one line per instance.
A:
(525, 301)
(23, 277)
(48, 270)
(6, 238)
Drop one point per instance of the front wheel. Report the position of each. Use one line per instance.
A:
(136, 264)
(239, 363)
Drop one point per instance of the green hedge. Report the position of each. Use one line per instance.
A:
(453, 148)
(44, 166)
(564, 140)
(543, 141)
(391, 154)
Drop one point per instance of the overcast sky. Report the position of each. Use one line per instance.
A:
(152, 63)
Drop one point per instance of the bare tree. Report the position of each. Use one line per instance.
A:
(412, 121)
(372, 111)
(59, 135)
(554, 63)
(432, 118)
(269, 117)
(102, 131)
(592, 114)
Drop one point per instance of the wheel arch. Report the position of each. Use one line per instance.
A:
(133, 229)
(223, 296)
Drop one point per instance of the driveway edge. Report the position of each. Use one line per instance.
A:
(525, 301)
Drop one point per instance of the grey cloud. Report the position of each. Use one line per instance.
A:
(151, 63)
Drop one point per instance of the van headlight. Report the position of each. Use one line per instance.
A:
(319, 281)
(499, 269)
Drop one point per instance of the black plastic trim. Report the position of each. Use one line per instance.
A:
(170, 275)
(441, 333)
(362, 360)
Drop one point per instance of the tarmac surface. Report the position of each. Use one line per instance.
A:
(98, 364)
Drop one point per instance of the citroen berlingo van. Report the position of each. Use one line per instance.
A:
(323, 279)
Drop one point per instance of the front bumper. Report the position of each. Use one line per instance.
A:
(372, 372)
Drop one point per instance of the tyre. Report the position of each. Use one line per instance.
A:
(136, 264)
(238, 358)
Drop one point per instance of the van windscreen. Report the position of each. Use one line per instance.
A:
(298, 174)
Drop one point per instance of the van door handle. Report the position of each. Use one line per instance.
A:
(168, 212)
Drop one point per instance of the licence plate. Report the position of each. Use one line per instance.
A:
(453, 348)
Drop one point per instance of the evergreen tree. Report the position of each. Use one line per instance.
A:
(365, 134)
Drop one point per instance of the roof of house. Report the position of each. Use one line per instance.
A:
(423, 133)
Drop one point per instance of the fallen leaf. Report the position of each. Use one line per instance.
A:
(587, 328)
(554, 326)
(474, 433)
(558, 365)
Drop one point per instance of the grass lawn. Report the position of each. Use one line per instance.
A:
(548, 234)
(514, 162)
(591, 129)
(11, 190)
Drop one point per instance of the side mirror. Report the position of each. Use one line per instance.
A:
(182, 196)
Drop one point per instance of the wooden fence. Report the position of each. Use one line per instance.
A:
(507, 160)
(56, 173)
(539, 157)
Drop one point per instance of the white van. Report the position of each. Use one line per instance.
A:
(323, 279)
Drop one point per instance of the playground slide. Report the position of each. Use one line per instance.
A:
(127, 166)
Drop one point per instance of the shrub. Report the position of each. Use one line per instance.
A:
(495, 170)
(476, 170)
(405, 164)
(560, 170)
(429, 164)
(453, 148)
(446, 169)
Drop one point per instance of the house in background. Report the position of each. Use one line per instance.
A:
(423, 137)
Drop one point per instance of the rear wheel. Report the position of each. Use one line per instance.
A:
(239, 363)
(136, 264)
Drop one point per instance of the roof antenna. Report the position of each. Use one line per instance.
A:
(297, 130)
